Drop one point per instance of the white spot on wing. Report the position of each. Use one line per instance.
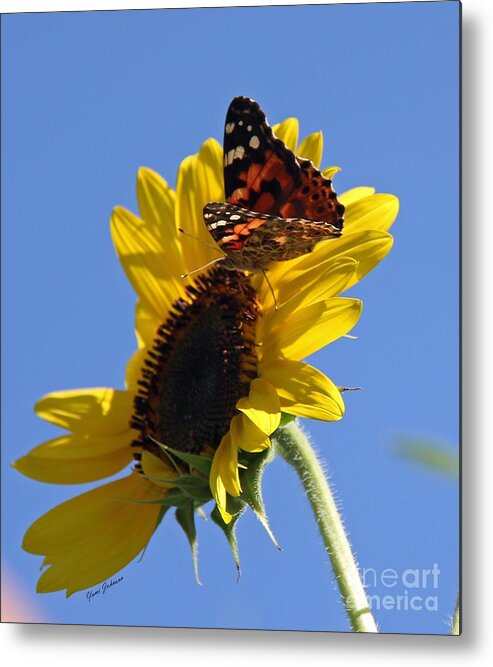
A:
(218, 223)
(254, 142)
(239, 152)
(229, 127)
(235, 217)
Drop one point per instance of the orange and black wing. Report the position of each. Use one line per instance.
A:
(313, 198)
(231, 226)
(261, 173)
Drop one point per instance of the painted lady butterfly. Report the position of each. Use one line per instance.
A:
(278, 206)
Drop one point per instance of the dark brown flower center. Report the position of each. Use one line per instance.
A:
(202, 361)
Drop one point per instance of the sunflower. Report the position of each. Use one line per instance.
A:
(219, 365)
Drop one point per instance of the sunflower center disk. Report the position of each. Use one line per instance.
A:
(202, 362)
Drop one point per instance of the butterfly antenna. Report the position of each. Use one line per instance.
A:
(213, 261)
(209, 245)
(271, 290)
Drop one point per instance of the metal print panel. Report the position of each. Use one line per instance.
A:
(231, 260)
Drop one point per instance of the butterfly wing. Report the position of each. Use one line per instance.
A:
(263, 175)
(260, 172)
(231, 226)
(314, 198)
(252, 240)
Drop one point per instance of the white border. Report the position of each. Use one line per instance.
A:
(46, 5)
(57, 645)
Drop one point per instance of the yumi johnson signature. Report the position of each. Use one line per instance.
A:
(101, 590)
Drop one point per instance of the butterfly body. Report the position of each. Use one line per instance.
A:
(278, 206)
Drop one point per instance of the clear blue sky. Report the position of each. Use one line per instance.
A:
(87, 99)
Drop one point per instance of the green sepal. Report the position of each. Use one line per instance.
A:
(286, 419)
(200, 463)
(195, 487)
(174, 498)
(251, 484)
(185, 515)
(235, 507)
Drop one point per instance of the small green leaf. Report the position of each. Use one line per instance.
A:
(251, 484)
(196, 487)
(200, 463)
(236, 507)
(175, 498)
(185, 515)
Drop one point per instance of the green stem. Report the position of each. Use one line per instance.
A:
(456, 620)
(293, 445)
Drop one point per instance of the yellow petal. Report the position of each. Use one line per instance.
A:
(354, 194)
(304, 391)
(310, 329)
(91, 537)
(188, 216)
(367, 248)
(76, 459)
(218, 491)
(199, 181)
(288, 132)
(319, 283)
(97, 411)
(374, 212)
(133, 371)
(330, 172)
(312, 148)
(209, 174)
(333, 278)
(146, 324)
(157, 207)
(225, 462)
(224, 475)
(261, 406)
(247, 436)
(144, 262)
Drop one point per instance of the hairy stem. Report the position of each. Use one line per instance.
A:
(293, 445)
